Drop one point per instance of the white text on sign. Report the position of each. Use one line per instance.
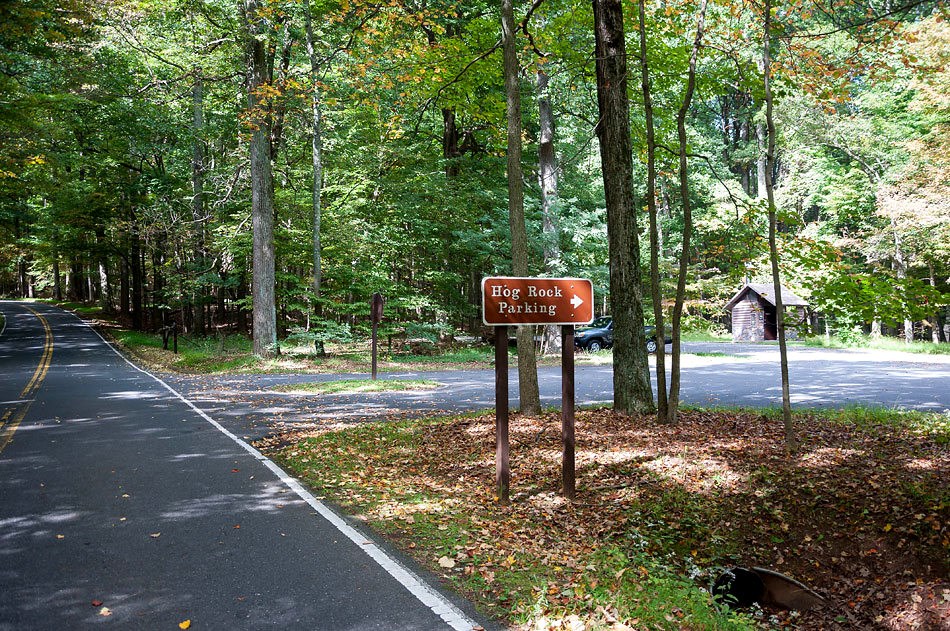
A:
(516, 300)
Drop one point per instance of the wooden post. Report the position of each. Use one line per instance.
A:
(502, 466)
(375, 327)
(376, 314)
(567, 411)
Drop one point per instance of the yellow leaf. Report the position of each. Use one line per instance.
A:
(184, 624)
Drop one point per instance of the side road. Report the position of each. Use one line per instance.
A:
(714, 374)
(121, 501)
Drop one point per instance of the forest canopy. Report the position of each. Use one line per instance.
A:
(137, 138)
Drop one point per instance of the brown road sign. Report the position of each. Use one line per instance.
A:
(513, 300)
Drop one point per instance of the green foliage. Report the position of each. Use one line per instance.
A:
(853, 299)
(113, 117)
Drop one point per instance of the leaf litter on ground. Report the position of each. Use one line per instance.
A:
(859, 515)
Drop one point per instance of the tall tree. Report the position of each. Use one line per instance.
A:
(316, 155)
(633, 392)
(259, 64)
(547, 183)
(656, 293)
(791, 440)
(681, 115)
(527, 362)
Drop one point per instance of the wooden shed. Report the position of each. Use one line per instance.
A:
(754, 314)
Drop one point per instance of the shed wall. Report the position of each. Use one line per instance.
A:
(748, 320)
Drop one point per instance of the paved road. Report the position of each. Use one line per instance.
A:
(713, 374)
(120, 503)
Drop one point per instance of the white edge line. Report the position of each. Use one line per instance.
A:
(452, 615)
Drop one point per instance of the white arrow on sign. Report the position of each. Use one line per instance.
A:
(576, 301)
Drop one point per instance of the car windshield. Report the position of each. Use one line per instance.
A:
(600, 323)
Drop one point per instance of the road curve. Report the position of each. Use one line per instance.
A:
(121, 502)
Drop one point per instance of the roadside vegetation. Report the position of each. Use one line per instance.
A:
(881, 343)
(861, 515)
(354, 386)
(234, 353)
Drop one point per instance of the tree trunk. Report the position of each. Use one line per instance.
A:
(936, 331)
(687, 218)
(662, 409)
(744, 166)
(791, 440)
(136, 282)
(262, 184)
(198, 195)
(57, 278)
(761, 163)
(548, 181)
(633, 392)
(450, 143)
(316, 142)
(527, 362)
(124, 304)
(105, 287)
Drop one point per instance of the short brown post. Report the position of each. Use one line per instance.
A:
(376, 314)
(567, 411)
(502, 466)
(175, 337)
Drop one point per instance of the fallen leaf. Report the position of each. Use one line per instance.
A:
(97, 603)
(60, 536)
(155, 535)
(447, 563)
(184, 624)
(105, 611)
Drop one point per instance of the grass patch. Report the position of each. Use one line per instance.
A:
(882, 343)
(704, 336)
(478, 355)
(234, 354)
(355, 386)
(660, 510)
(88, 310)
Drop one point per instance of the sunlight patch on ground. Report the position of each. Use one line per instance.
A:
(612, 457)
(131, 395)
(831, 456)
(697, 475)
(922, 465)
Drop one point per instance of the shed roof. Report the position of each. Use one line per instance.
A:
(766, 291)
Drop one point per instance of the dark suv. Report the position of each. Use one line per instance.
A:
(600, 335)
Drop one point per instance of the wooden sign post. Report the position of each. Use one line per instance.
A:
(535, 301)
(375, 314)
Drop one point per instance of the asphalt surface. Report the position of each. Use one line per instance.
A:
(713, 374)
(121, 504)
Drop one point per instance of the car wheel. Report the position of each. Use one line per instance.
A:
(594, 345)
(651, 346)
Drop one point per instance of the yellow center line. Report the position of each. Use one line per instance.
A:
(19, 413)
